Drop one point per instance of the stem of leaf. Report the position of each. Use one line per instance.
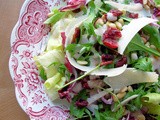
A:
(79, 78)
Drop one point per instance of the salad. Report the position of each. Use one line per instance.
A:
(103, 57)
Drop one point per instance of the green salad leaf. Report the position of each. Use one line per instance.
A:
(127, 1)
(152, 102)
(108, 114)
(137, 44)
(157, 3)
(136, 103)
(97, 115)
(154, 34)
(144, 64)
(77, 111)
(51, 82)
(42, 74)
(57, 15)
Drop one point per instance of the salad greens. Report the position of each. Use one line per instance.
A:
(101, 56)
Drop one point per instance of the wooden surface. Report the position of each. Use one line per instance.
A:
(9, 108)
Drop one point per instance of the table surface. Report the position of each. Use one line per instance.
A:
(9, 107)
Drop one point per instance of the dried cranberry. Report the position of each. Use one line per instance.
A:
(81, 103)
(110, 36)
(156, 12)
(86, 86)
(84, 83)
(112, 33)
(111, 43)
(138, 1)
(133, 15)
(121, 62)
(65, 93)
(107, 57)
(116, 12)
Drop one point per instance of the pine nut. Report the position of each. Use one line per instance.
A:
(112, 25)
(121, 95)
(146, 7)
(99, 21)
(124, 89)
(104, 18)
(121, 21)
(145, 2)
(141, 117)
(124, 12)
(82, 62)
(119, 25)
(108, 23)
(130, 89)
(138, 115)
(149, 4)
(152, 46)
(147, 44)
(134, 56)
(144, 39)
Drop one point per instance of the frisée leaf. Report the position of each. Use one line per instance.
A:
(144, 64)
(151, 101)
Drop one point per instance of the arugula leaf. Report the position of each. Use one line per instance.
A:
(106, 7)
(82, 95)
(62, 69)
(82, 50)
(154, 87)
(89, 113)
(136, 103)
(88, 24)
(154, 34)
(55, 17)
(109, 115)
(76, 111)
(127, 1)
(43, 74)
(102, 10)
(157, 117)
(137, 44)
(72, 48)
(144, 64)
(89, 28)
(97, 115)
(126, 18)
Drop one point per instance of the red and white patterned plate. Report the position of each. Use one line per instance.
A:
(28, 39)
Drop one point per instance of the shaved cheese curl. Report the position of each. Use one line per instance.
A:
(130, 30)
(129, 77)
(131, 8)
(71, 28)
